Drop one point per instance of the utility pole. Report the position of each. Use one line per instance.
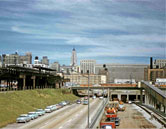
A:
(88, 97)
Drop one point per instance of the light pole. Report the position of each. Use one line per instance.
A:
(88, 97)
(106, 70)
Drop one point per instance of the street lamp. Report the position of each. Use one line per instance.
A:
(88, 97)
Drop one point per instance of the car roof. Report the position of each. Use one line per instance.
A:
(31, 112)
(23, 115)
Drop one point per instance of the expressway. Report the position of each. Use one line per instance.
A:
(70, 116)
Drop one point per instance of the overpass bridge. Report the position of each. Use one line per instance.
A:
(153, 95)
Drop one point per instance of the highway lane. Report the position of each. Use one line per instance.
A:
(70, 116)
(69, 119)
(80, 119)
(42, 119)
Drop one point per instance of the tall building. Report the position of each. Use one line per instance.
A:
(55, 66)
(26, 59)
(87, 65)
(74, 58)
(10, 59)
(45, 60)
(15, 59)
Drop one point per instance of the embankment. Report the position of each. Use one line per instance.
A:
(12, 104)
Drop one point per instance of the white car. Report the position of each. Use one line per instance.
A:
(129, 102)
(94, 97)
(101, 97)
(64, 103)
(23, 118)
(49, 109)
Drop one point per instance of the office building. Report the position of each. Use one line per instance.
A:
(87, 65)
(122, 71)
(15, 59)
(66, 69)
(55, 66)
(45, 60)
(26, 59)
(159, 63)
(74, 58)
(10, 59)
(80, 79)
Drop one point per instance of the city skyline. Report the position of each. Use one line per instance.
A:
(128, 31)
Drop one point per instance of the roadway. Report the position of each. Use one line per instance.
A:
(71, 116)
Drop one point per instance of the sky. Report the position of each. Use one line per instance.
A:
(109, 31)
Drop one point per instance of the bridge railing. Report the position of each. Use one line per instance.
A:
(98, 114)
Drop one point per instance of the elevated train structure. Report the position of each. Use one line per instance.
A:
(29, 78)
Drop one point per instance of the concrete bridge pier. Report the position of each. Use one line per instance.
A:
(141, 96)
(34, 81)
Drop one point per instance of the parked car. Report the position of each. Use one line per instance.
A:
(33, 115)
(40, 112)
(78, 101)
(48, 109)
(61, 105)
(64, 103)
(67, 102)
(58, 106)
(54, 107)
(23, 118)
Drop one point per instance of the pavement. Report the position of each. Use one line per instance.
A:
(135, 117)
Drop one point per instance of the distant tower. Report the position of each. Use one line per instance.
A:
(74, 58)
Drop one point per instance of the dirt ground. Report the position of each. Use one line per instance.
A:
(131, 118)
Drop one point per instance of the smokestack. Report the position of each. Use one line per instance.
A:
(151, 63)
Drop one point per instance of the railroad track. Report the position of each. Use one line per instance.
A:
(160, 117)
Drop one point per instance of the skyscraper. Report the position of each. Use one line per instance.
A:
(45, 60)
(74, 58)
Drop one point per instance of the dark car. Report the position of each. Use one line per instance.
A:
(61, 104)
(78, 101)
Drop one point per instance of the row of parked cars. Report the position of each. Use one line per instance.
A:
(23, 118)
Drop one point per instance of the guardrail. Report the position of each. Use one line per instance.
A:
(100, 110)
